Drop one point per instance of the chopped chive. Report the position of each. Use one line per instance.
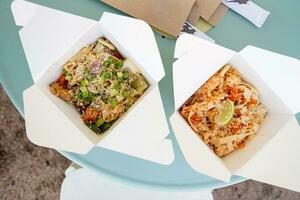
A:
(126, 93)
(106, 75)
(111, 59)
(94, 128)
(119, 64)
(113, 103)
(84, 82)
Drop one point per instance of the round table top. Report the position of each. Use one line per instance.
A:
(280, 33)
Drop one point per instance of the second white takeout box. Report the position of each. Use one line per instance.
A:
(50, 38)
(273, 155)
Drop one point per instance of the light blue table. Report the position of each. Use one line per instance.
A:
(281, 33)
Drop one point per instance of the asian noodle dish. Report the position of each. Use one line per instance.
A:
(225, 111)
(100, 83)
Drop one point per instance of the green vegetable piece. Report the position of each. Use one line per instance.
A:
(107, 75)
(84, 82)
(94, 128)
(101, 80)
(68, 77)
(105, 125)
(113, 103)
(111, 59)
(114, 92)
(87, 73)
(119, 64)
(125, 74)
(119, 74)
(107, 63)
(139, 83)
(99, 121)
(64, 71)
(126, 93)
(83, 89)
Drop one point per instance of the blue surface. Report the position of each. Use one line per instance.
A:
(279, 34)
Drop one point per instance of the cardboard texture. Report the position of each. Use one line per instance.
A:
(211, 10)
(207, 7)
(52, 37)
(218, 14)
(194, 14)
(270, 156)
(166, 15)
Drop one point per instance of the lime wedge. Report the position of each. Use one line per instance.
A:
(226, 113)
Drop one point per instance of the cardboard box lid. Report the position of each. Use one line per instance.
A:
(168, 15)
(274, 162)
(47, 25)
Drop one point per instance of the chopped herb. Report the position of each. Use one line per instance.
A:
(119, 64)
(69, 77)
(87, 73)
(94, 128)
(105, 126)
(84, 82)
(125, 74)
(107, 63)
(83, 89)
(107, 75)
(113, 103)
(126, 93)
(111, 59)
(99, 121)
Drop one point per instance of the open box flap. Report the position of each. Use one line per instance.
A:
(23, 11)
(49, 44)
(278, 71)
(277, 162)
(190, 145)
(47, 34)
(148, 127)
(187, 79)
(138, 38)
(38, 109)
(184, 43)
(159, 152)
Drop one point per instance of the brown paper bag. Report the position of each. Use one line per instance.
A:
(218, 14)
(166, 15)
(210, 10)
(194, 14)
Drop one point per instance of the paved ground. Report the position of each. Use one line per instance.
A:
(32, 173)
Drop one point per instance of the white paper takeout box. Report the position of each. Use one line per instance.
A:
(273, 155)
(50, 38)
